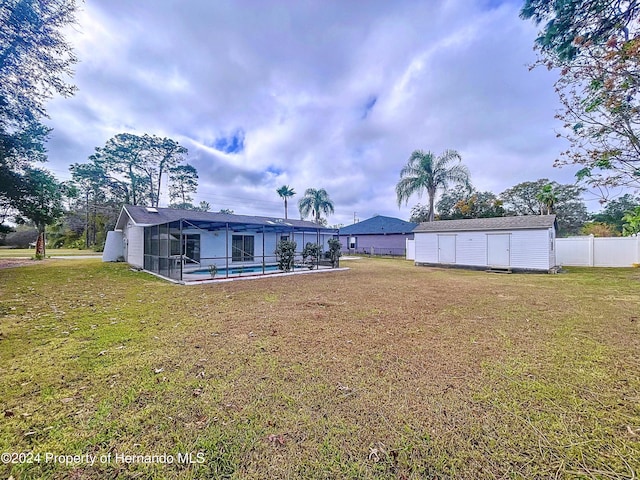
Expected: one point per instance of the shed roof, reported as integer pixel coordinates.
(379, 225)
(145, 216)
(525, 222)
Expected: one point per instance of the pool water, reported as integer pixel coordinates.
(222, 272)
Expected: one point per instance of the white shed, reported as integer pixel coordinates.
(524, 243)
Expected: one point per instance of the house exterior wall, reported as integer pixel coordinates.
(214, 249)
(212, 245)
(133, 237)
(529, 249)
(393, 243)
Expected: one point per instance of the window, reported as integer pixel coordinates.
(242, 248)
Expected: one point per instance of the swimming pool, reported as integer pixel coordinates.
(222, 272)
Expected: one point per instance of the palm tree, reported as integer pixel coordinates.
(425, 171)
(547, 198)
(315, 202)
(285, 192)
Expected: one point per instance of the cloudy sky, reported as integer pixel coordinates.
(313, 93)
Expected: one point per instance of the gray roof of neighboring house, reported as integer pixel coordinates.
(379, 225)
(525, 222)
(145, 216)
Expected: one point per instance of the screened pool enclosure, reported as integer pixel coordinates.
(217, 246)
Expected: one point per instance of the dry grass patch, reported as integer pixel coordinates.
(384, 371)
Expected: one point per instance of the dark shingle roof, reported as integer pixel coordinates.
(526, 222)
(144, 216)
(379, 225)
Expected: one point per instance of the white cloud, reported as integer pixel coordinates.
(330, 95)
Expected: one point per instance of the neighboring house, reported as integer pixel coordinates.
(524, 243)
(378, 235)
(23, 238)
(174, 243)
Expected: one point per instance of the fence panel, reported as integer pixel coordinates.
(574, 251)
(598, 252)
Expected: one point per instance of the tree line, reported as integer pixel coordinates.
(459, 199)
(128, 169)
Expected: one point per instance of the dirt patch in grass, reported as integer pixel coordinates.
(384, 371)
(13, 262)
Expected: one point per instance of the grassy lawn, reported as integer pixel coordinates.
(30, 252)
(383, 371)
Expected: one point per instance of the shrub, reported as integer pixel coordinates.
(285, 253)
(312, 252)
(334, 251)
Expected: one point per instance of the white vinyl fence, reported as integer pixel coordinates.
(411, 249)
(598, 252)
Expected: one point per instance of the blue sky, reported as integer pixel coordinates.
(322, 94)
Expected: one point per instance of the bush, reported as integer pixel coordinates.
(312, 252)
(285, 253)
(334, 251)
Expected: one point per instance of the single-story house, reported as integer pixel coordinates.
(188, 245)
(377, 235)
(525, 243)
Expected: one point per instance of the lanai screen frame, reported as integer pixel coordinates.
(169, 257)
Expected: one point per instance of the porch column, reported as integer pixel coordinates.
(181, 250)
(263, 249)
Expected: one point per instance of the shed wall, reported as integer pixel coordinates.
(529, 249)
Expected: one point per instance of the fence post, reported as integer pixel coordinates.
(637, 248)
(591, 250)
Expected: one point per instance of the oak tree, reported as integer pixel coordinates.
(595, 46)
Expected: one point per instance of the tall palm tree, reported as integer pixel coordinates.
(547, 198)
(315, 202)
(285, 192)
(425, 171)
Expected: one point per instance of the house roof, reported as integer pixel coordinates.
(525, 222)
(145, 216)
(379, 225)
